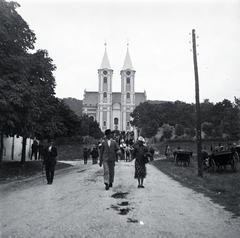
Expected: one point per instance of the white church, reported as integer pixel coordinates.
(112, 109)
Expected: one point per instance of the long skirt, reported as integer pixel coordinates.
(140, 169)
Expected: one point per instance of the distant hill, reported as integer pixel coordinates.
(75, 105)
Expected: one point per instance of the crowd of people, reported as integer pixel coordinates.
(110, 149)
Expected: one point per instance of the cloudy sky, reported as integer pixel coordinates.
(160, 44)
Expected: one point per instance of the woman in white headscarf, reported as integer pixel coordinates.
(140, 153)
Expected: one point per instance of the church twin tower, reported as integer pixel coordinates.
(112, 109)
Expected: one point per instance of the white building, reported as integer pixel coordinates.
(112, 109)
(12, 149)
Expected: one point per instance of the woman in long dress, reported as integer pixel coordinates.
(140, 152)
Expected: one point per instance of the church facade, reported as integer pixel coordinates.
(112, 109)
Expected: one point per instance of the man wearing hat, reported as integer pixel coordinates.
(50, 154)
(108, 153)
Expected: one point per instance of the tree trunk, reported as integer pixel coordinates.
(23, 157)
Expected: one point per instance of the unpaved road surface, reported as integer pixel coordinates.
(77, 205)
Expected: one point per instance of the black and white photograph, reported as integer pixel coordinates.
(119, 118)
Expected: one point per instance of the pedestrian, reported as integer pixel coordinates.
(167, 151)
(141, 154)
(108, 152)
(40, 150)
(34, 149)
(152, 151)
(94, 155)
(127, 153)
(50, 160)
(205, 157)
(122, 147)
(85, 155)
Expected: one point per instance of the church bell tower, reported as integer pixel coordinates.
(127, 91)
(105, 74)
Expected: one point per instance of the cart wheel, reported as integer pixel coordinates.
(176, 160)
(236, 156)
(214, 166)
(234, 164)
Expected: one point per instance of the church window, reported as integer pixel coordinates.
(115, 121)
(105, 95)
(104, 123)
(105, 80)
(128, 95)
(128, 80)
(128, 123)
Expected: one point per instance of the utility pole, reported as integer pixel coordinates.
(198, 113)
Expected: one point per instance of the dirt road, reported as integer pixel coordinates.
(77, 205)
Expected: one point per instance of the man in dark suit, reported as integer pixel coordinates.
(50, 154)
(108, 152)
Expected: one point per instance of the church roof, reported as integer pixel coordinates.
(127, 63)
(140, 97)
(90, 98)
(105, 62)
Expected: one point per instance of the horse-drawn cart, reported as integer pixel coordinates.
(223, 159)
(182, 156)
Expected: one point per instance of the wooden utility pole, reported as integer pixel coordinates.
(198, 113)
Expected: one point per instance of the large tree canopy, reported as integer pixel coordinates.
(28, 107)
(218, 119)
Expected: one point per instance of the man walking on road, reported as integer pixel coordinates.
(50, 154)
(108, 153)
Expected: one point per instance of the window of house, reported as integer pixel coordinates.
(105, 95)
(104, 123)
(128, 123)
(128, 80)
(105, 80)
(128, 95)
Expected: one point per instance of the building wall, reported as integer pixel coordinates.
(12, 149)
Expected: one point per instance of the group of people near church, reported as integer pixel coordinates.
(108, 152)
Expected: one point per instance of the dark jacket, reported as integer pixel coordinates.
(109, 153)
(50, 156)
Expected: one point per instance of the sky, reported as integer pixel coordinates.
(158, 34)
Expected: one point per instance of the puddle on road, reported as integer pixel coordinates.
(132, 220)
(123, 204)
(122, 211)
(119, 195)
(80, 171)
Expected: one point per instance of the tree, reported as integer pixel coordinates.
(15, 39)
(150, 129)
(179, 130)
(207, 128)
(167, 131)
(145, 118)
(207, 111)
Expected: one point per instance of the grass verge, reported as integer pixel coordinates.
(222, 187)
